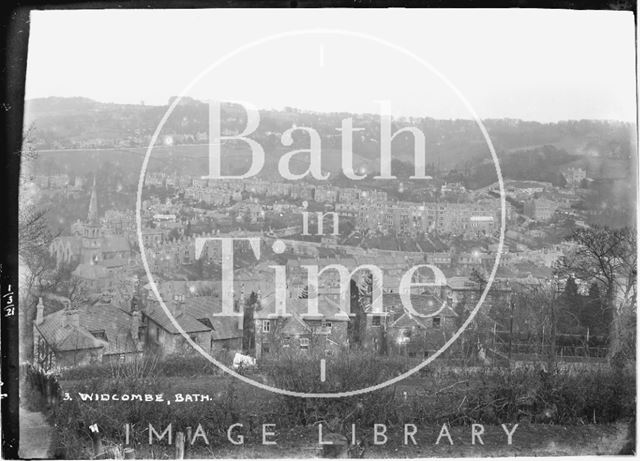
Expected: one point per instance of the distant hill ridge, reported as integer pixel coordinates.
(78, 122)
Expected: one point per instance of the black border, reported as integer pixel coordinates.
(15, 31)
(14, 27)
(626, 5)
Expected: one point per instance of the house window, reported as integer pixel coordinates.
(436, 322)
(266, 326)
(304, 343)
(141, 331)
(376, 321)
(100, 334)
(265, 349)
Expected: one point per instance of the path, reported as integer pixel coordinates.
(35, 435)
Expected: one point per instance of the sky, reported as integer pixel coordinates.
(543, 65)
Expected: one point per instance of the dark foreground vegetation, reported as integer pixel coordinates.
(437, 395)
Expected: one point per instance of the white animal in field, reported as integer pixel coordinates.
(240, 360)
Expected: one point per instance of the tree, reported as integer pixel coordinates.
(594, 294)
(34, 237)
(174, 234)
(571, 288)
(198, 266)
(595, 314)
(572, 308)
(478, 277)
(357, 326)
(608, 257)
(248, 325)
(383, 346)
(537, 308)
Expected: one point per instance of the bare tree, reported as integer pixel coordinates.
(34, 238)
(608, 256)
(538, 311)
(34, 233)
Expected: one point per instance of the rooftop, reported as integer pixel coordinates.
(115, 322)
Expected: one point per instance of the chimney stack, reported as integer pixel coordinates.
(72, 317)
(39, 312)
(135, 325)
(178, 301)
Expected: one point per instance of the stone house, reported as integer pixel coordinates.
(422, 334)
(279, 327)
(197, 317)
(467, 291)
(86, 333)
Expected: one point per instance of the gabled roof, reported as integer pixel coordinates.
(114, 321)
(75, 339)
(425, 305)
(329, 309)
(225, 328)
(461, 283)
(167, 288)
(294, 325)
(407, 320)
(188, 323)
(198, 316)
(204, 307)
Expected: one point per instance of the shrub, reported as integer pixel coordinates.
(181, 365)
(459, 396)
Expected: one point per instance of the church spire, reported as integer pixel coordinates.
(93, 204)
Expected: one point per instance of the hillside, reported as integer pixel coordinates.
(84, 124)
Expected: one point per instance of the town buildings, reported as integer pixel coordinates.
(289, 325)
(106, 255)
(540, 209)
(90, 243)
(574, 176)
(476, 218)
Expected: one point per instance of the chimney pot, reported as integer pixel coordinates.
(72, 317)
